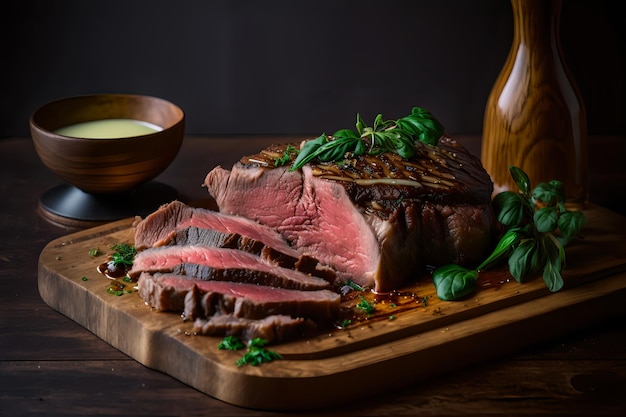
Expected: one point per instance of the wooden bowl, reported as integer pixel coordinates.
(100, 166)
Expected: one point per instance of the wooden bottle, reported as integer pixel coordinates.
(535, 118)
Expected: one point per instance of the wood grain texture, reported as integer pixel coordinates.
(535, 118)
(52, 366)
(419, 344)
(107, 165)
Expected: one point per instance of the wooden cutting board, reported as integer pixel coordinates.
(405, 342)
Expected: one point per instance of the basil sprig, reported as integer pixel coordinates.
(454, 281)
(397, 136)
(537, 228)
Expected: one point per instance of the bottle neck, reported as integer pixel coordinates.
(537, 27)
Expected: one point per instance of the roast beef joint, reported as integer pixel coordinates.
(377, 220)
(271, 260)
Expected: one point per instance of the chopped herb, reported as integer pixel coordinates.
(116, 288)
(392, 305)
(84, 278)
(115, 292)
(95, 252)
(127, 279)
(365, 305)
(124, 254)
(289, 151)
(257, 354)
(345, 323)
(354, 285)
(425, 301)
(231, 343)
(392, 317)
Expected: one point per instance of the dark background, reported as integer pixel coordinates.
(293, 67)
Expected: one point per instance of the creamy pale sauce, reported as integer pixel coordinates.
(109, 129)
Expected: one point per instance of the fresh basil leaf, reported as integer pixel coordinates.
(393, 141)
(521, 180)
(454, 282)
(405, 150)
(505, 245)
(309, 151)
(511, 208)
(570, 223)
(546, 219)
(345, 134)
(550, 193)
(335, 150)
(552, 276)
(521, 260)
(409, 127)
(360, 148)
(555, 261)
(423, 125)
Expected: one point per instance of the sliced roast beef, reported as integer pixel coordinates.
(376, 219)
(272, 328)
(210, 237)
(157, 229)
(221, 264)
(204, 299)
(176, 223)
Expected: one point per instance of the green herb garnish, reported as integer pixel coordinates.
(354, 285)
(366, 306)
(95, 252)
(84, 278)
(397, 136)
(231, 343)
(544, 230)
(257, 354)
(345, 323)
(453, 281)
(290, 150)
(537, 228)
(124, 254)
(115, 292)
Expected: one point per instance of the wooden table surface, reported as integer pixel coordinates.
(50, 365)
